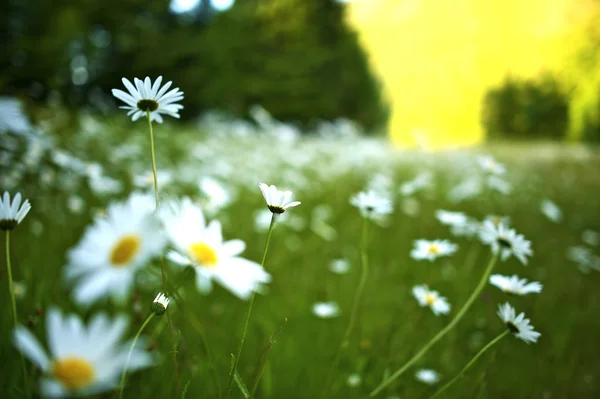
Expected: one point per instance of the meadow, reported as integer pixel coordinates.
(71, 175)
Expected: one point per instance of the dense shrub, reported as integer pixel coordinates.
(526, 109)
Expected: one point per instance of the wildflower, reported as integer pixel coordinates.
(518, 325)
(452, 219)
(428, 376)
(215, 195)
(551, 211)
(420, 182)
(490, 165)
(591, 237)
(372, 205)
(277, 201)
(339, 266)
(12, 214)
(426, 297)
(515, 285)
(160, 303)
(505, 241)
(468, 188)
(147, 97)
(203, 247)
(83, 360)
(146, 179)
(326, 310)
(354, 380)
(432, 250)
(499, 184)
(113, 249)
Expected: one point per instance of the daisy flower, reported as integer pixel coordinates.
(277, 201)
(326, 310)
(12, 214)
(83, 360)
(372, 205)
(551, 211)
(113, 249)
(160, 303)
(518, 325)
(490, 165)
(202, 246)
(426, 297)
(428, 376)
(449, 218)
(145, 96)
(505, 241)
(431, 250)
(339, 266)
(515, 285)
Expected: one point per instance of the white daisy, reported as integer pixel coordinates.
(202, 246)
(518, 325)
(449, 218)
(11, 214)
(490, 165)
(215, 195)
(497, 183)
(145, 96)
(591, 237)
(113, 249)
(326, 310)
(515, 285)
(354, 380)
(277, 201)
(83, 360)
(339, 266)
(426, 297)
(428, 376)
(505, 241)
(372, 205)
(551, 211)
(431, 250)
(160, 303)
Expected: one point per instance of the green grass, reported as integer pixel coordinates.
(391, 327)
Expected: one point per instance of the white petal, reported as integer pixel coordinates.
(30, 347)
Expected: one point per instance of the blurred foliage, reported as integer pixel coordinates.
(298, 59)
(526, 109)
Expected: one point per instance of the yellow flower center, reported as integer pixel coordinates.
(204, 254)
(430, 299)
(73, 372)
(125, 250)
(434, 249)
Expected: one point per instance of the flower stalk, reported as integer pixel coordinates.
(444, 331)
(135, 339)
(468, 365)
(246, 322)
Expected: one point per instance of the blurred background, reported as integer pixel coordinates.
(428, 73)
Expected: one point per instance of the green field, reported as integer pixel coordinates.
(323, 173)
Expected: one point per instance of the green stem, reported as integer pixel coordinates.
(444, 331)
(243, 338)
(14, 305)
(135, 339)
(162, 260)
(355, 305)
(153, 158)
(477, 356)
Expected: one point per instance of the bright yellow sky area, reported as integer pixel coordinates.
(437, 58)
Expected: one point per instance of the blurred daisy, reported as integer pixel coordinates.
(145, 96)
(428, 376)
(11, 214)
(113, 249)
(591, 237)
(203, 247)
(515, 285)
(326, 310)
(146, 179)
(12, 116)
(425, 297)
(551, 211)
(354, 380)
(277, 201)
(83, 360)
(339, 266)
(372, 205)
(468, 188)
(431, 250)
(490, 165)
(420, 182)
(505, 241)
(518, 325)
(215, 195)
(499, 184)
(449, 218)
